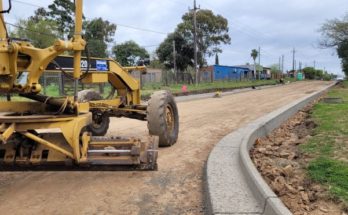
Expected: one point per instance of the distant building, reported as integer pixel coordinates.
(264, 74)
(219, 73)
(151, 76)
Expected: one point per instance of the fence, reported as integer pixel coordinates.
(57, 84)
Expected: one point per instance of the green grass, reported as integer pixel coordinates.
(328, 146)
(221, 85)
(148, 89)
(333, 173)
(52, 90)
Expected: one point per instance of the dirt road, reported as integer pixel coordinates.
(176, 188)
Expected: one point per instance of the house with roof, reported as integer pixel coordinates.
(220, 73)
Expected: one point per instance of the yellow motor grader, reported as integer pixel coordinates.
(70, 130)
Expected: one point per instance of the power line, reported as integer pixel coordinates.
(243, 25)
(118, 24)
(27, 3)
(141, 29)
(37, 32)
(293, 59)
(150, 46)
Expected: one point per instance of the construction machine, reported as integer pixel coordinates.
(70, 130)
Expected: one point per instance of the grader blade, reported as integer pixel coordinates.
(104, 153)
(123, 151)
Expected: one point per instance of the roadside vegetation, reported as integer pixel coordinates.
(327, 148)
(205, 87)
(148, 89)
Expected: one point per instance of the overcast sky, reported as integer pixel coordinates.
(275, 25)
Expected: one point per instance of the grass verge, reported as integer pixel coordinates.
(205, 87)
(327, 148)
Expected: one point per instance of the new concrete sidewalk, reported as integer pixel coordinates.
(233, 184)
(210, 95)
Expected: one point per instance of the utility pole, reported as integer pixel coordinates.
(174, 60)
(282, 64)
(195, 8)
(314, 64)
(293, 60)
(259, 54)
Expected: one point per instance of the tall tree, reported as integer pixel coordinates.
(129, 52)
(310, 73)
(40, 32)
(183, 48)
(254, 54)
(39, 14)
(98, 34)
(342, 51)
(217, 59)
(62, 11)
(212, 31)
(335, 35)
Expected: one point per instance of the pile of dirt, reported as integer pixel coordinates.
(280, 161)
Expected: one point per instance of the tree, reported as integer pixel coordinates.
(183, 48)
(274, 68)
(62, 11)
(254, 54)
(39, 14)
(129, 52)
(212, 31)
(99, 32)
(217, 59)
(335, 35)
(40, 32)
(342, 51)
(315, 74)
(310, 73)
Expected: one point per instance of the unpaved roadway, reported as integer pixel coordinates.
(176, 188)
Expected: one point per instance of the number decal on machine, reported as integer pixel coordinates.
(84, 63)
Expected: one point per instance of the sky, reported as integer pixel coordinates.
(276, 26)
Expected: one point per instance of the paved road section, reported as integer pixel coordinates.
(176, 188)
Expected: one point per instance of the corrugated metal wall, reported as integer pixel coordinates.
(229, 73)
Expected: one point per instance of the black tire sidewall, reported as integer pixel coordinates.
(91, 95)
(157, 119)
(103, 128)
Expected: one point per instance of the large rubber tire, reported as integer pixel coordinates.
(101, 120)
(163, 118)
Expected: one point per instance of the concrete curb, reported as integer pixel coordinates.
(233, 185)
(231, 92)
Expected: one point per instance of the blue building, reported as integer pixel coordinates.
(219, 73)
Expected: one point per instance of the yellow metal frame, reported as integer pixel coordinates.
(11, 65)
(17, 57)
(69, 126)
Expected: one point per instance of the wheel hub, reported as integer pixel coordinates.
(169, 118)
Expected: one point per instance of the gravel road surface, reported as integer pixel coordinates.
(176, 188)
